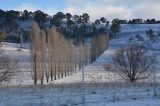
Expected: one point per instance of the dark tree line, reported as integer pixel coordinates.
(10, 17)
(140, 21)
(77, 27)
(73, 26)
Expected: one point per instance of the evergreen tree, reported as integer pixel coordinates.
(103, 20)
(25, 15)
(2, 14)
(40, 17)
(85, 17)
(115, 27)
(11, 18)
(97, 22)
(76, 17)
(68, 16)
(58, 18)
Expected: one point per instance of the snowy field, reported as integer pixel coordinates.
(73, 95)
(94, 72)
(102, 88)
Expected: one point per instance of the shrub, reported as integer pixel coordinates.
(139, 38)
(8, 67)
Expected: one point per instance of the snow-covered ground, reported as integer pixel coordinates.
(73, 95)
(94, 72)
(116, 94)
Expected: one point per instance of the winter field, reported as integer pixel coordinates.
(101, 88)
(72, 95)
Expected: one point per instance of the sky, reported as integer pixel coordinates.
(110, 9)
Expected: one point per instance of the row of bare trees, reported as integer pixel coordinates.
(62, 55)
(55, 57)
(98, 45)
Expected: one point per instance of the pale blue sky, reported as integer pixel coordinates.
(40, 4)
(124, 9)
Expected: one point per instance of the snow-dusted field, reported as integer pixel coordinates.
(73, 95)
(94, 72)
(96, 94)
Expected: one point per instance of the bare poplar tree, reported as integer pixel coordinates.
(81, 55)
(86, 55)
(52, 40)
(71, 56)
(21, 39)
(42, 51)
(102, 43)
(93, 49)
(34, 35)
